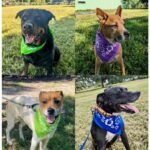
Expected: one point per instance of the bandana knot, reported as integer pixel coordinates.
(104, 49)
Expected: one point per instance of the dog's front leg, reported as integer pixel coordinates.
(101, 147)
(97, 65)
(43, 144)
(121, 62)
(34, 143)
(122, 67)
(125, 140)
(25, 69)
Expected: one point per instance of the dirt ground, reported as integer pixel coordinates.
(12, 89)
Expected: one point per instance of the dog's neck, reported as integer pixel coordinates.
(106, 37)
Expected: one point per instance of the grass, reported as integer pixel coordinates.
(63, 36)
(135, 51)
(136, 124)
(64, 138)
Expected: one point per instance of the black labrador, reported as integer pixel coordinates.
(36, 34)
(113, 100)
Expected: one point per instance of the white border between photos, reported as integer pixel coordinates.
(148, 74)
(1, 73)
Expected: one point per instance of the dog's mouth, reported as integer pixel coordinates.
(128, 108)
(29, 39)
(50, 119)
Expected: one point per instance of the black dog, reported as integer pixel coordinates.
(37, 36)
(113, 100)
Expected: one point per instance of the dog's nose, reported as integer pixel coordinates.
(51, 111)
(126, 34)
(27, 26)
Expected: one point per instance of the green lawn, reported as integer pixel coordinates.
(63, 35)
(135, 51)
(136, 124)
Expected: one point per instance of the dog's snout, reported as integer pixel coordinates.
(126, 34)
(138, 93)
(51, 111)
(27, 26)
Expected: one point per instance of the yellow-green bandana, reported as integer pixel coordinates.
(27, 49)
(42, 128)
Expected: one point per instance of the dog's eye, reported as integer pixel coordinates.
(120, 90)
(38, 35)
(57, 101)
(24, 18)
(114, 26)
(44, 102)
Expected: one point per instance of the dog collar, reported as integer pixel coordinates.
(42, 128)
(104, 49)
(113, 124)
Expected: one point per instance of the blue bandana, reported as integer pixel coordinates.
(113, 124)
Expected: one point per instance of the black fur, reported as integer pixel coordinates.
(39, 19)
(110, 101)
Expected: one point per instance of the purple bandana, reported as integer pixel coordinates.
(104, 49)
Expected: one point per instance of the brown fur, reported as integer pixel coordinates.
(111, 27)
(47, 99)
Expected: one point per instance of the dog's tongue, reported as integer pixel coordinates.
(129, 107)
(50, 119)
(29, 39)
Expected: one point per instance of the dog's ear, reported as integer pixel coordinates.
(119, 11)
(100, 98)
(107, 89)
(61, 93)
(41, 93)
(48, 15)
(101, 15)
(20, 13)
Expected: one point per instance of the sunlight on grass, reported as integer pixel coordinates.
(10, 25)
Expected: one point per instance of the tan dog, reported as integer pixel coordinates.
(50, 106)
(113, 31)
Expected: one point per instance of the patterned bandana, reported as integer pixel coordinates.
(104, 49)
(42, 128)
(113, 124)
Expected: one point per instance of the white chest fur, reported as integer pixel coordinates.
(109, 136)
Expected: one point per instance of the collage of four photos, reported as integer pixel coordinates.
(74, 74)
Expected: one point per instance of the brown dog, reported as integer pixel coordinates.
(107, 46)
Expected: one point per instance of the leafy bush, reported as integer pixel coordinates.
(135, 4)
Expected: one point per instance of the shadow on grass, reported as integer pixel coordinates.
(135, 51)
(64, 138)
(64, 39)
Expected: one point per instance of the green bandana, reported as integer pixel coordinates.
(42, 128)
(27, 49)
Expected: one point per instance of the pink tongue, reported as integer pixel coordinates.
(129, 107)
(50, 119)
(29, 39)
